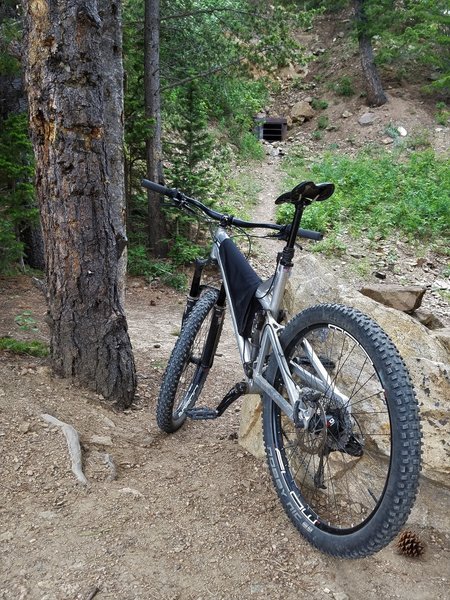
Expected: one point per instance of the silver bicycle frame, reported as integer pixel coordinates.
(270, 295)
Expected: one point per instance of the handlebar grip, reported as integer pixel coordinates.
(310, 235)
(161, 189)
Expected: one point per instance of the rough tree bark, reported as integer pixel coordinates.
(374, 87)
(152, 88)
(74, 78)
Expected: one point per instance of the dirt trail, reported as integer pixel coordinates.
(190, 516)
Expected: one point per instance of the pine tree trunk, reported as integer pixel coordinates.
(374, 87)
(156, 222)
(74, 78)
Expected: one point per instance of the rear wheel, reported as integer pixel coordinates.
(349, 480)
(185, 374)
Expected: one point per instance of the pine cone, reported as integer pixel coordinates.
(409, 543)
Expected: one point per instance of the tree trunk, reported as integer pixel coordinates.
(156, 222)
(74, 79)
(374, 87)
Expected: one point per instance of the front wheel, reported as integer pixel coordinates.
(186, 372)
(347, 481)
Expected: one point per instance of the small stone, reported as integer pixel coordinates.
(346, 114)
(131, 492)
(47, 514)
(340, 596)
(387, 140)
(367, 119)
(380, 275)
(24, 427)
(156, 345)
(402, 131)
(101, 440)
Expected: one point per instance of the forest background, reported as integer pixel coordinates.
(217, 66)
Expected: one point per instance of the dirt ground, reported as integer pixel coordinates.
(189, 516)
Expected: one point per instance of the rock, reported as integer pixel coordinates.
(428, 319)
(302, 110)
(250, 427)
(24, 427)
(402, 131)
(346, 114)
(404, 298)
(101, 440)
(427, 359)
(287, 72)
(380, 275)
(340, 596)
(443, 336)
(367, 119)
(131, 492)
(387, 140)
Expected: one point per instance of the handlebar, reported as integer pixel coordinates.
(283, 230)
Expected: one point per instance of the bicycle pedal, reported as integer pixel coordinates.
(200, 414)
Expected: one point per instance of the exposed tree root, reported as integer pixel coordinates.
(73, 442)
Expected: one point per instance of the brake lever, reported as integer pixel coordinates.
(179, 204)
(282, 234)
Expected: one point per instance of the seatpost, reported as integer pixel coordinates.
(288, 251)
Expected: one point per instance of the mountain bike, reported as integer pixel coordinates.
(340, 418)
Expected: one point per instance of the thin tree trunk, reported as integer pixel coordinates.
(374, 87)
(156, 222)
(74, 80)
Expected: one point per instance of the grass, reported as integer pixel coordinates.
(33, 348)
(379, 193)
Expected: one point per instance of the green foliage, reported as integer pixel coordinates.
(443, 113)
(17, 209)
(32, 348)
(184, 251)
(319, 104)
(188, 155)
(139, 264)
(251, 148)
(26, 321)
(330, 246)
(322, 122)
(10, 32)
(380, 193)
(344, 86)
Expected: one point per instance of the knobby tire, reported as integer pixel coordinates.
(348, 482)
(183, 366)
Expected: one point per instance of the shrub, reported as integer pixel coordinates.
(381, 193)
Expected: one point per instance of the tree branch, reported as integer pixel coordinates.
(208, 11)
(201, 75)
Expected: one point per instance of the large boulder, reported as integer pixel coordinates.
(302, 111)
(425, 355)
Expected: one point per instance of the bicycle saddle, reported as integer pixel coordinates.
(306, 192)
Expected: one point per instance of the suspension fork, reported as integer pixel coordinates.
(207, 359)
(196, 288)
(212, 341)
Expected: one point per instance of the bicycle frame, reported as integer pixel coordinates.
(270, 295)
